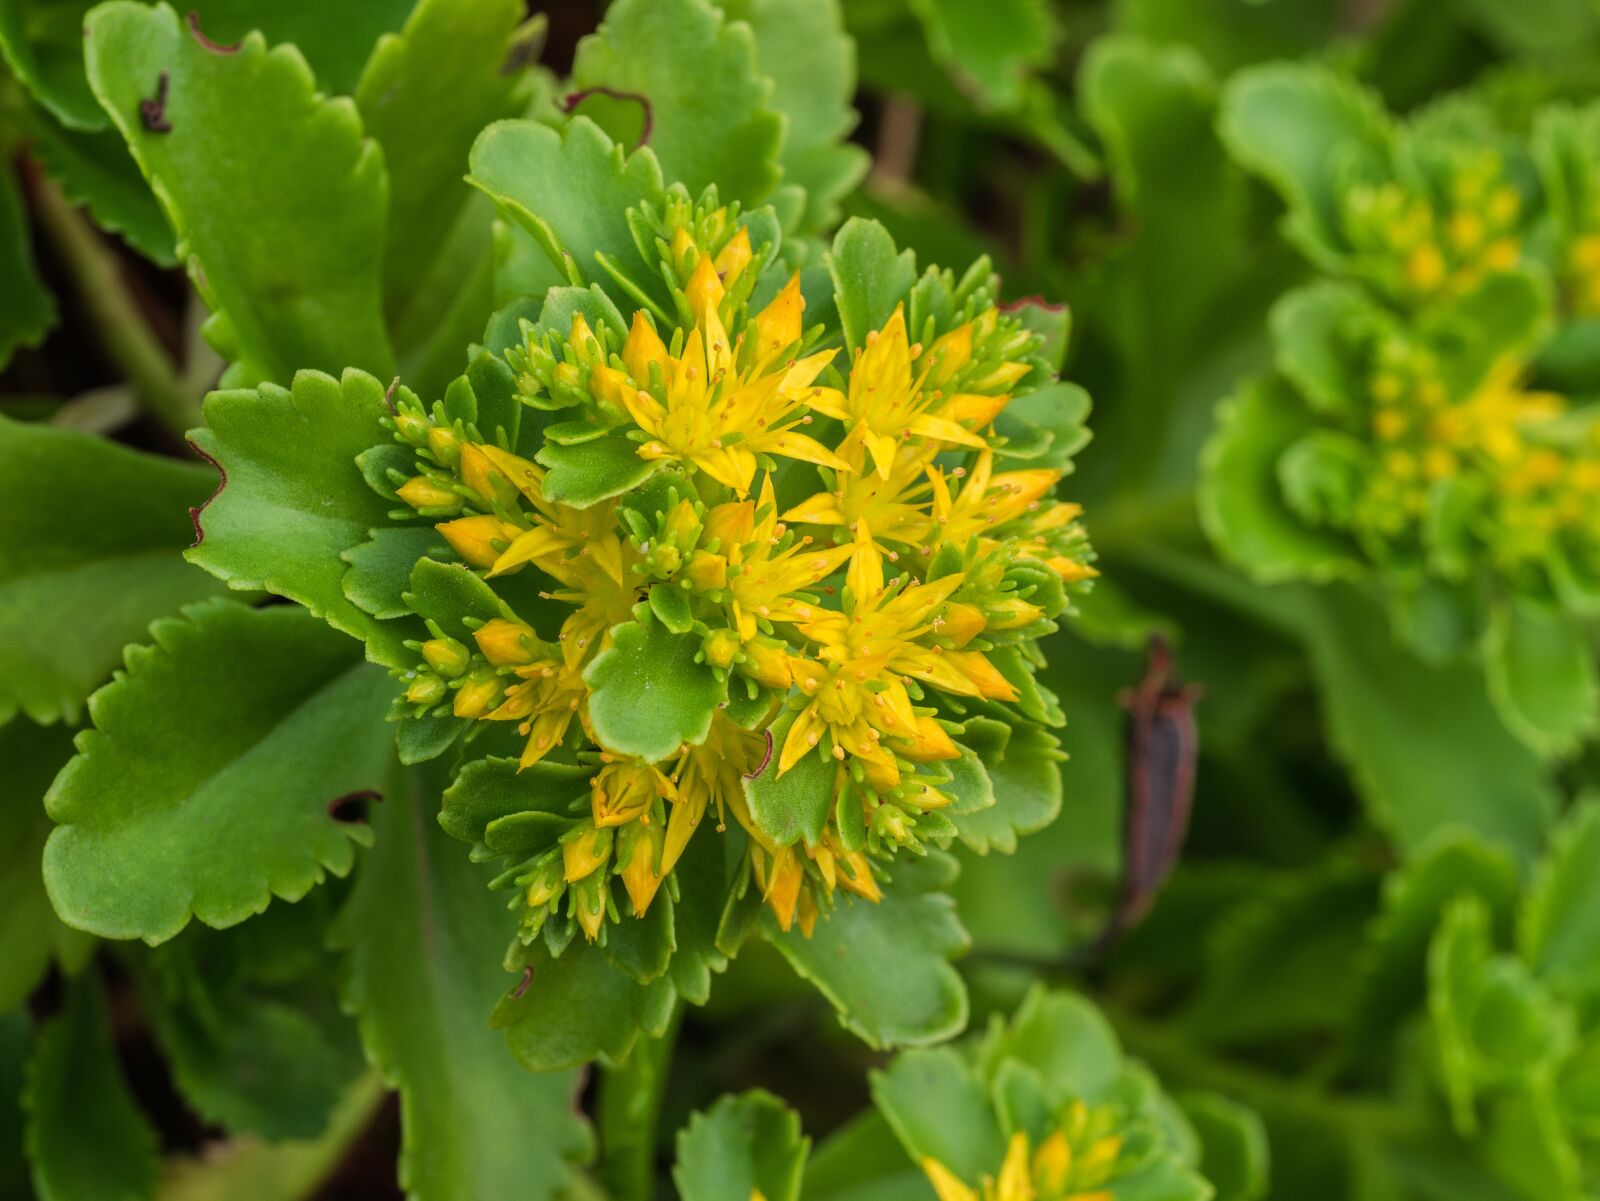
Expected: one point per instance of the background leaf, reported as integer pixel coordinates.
(205, 787)
(424, 936)
(279, 200)
(743, 1146)
(90, 535)
(26, 309)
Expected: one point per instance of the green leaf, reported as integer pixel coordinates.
(95, 168)
(15, 1031)
(30, 933)
(1558, 932)
(77, 1099)
(1303, 127)
(1064, 1039)
(276, 197)
(884, 967)
(742, 1146)
(1390, 977)
(862, 1161)
(707, 103)
(647, 695)
(425, 938)
(205, 787)
(487, 790)
(42, 43)
(990, 46)
(26, 309)
(579, 1007)
(1279, 965)
(1310, 337)
(869, 278)
(424, 95)
(801, 46)
(337, 40)
(570, 190)
(589, 472)
(1022, 766)
(1241, 499)
(1540, 665)
(89, 558)
(292, 499)
(798, 803)
(380, 568)
(1234, 1152)
(939, 1107)
(1426, 747)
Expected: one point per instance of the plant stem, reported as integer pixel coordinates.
(629, 1106)
(1173, 1055)
(124, 331)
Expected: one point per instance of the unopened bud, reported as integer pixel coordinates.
(444, 445)
(720, 647)
(446, 656)
(505, 643)
(426, 689)
(423, 492)
(479, 693)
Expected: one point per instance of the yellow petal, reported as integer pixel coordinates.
(946, 1184)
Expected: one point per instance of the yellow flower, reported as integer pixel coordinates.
(718, 406)
(1076, 1161)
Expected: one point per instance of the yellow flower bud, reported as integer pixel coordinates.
(733, 258)
(609, 386)
(547, 882)
(624, 792)
(766, 662)
(778, 325)
(475, 538)
(704, 289)
(720, 647)
(639, 854)
(444, 445)
(422, 492)
(426, 689)
(480, 693)
(643, 347)
(585, 853)
(707, 572)
(960, 622)
(446, 656)
(506, 643)
(412, 426)
(589, 897)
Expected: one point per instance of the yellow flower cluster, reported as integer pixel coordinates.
(840, 533)
(1076, 1161)
(1429, 243)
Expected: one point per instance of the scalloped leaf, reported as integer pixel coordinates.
(204, 790)
(587, 473)
(95, 168)
(425, 94)
(42, 42)
(705, 110)
(578, 1007)
(569, 190)
(1310, 331)
(884, 967)
(1300, 126)
(1241, 500)
(938, 1106)
(870, 277)
(292, 498)
(90, 547)
(1022, 766)
(424, 936)
(30, 933)
(802, 47)
(27, 310)
(1235, 1155)
(743, 1146)
(1558, 930)
(990, 47)
(77, 1097)
(647, 695)
(277, 198)
(1541, 672)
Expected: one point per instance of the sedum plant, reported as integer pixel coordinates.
(548, 649)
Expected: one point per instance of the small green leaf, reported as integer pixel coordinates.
(708, 118)
(1241, 499)
(1305, 127)
(42, 43)
(1234, 1152)
(26, 309)
(647, 694)
(938, 1106)
(1541, 674)
(798, 803)
(1558, 931)
(801, 46)
(1311, 330)
(380, 568)
(451, 594)
(77, 1098)
(990, 46)
(869, 278)
(1064, 1039)
(292, 499)
(275, 194)
(486, 791)
(587, 473)
(741, 1147)
(884, 967)
(425, 937)
(30, 933)
(424, 95)
(205, 787)
(89, 558)
(1022, 771)
(579, 1007)
(672, 608)
(571, 191)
